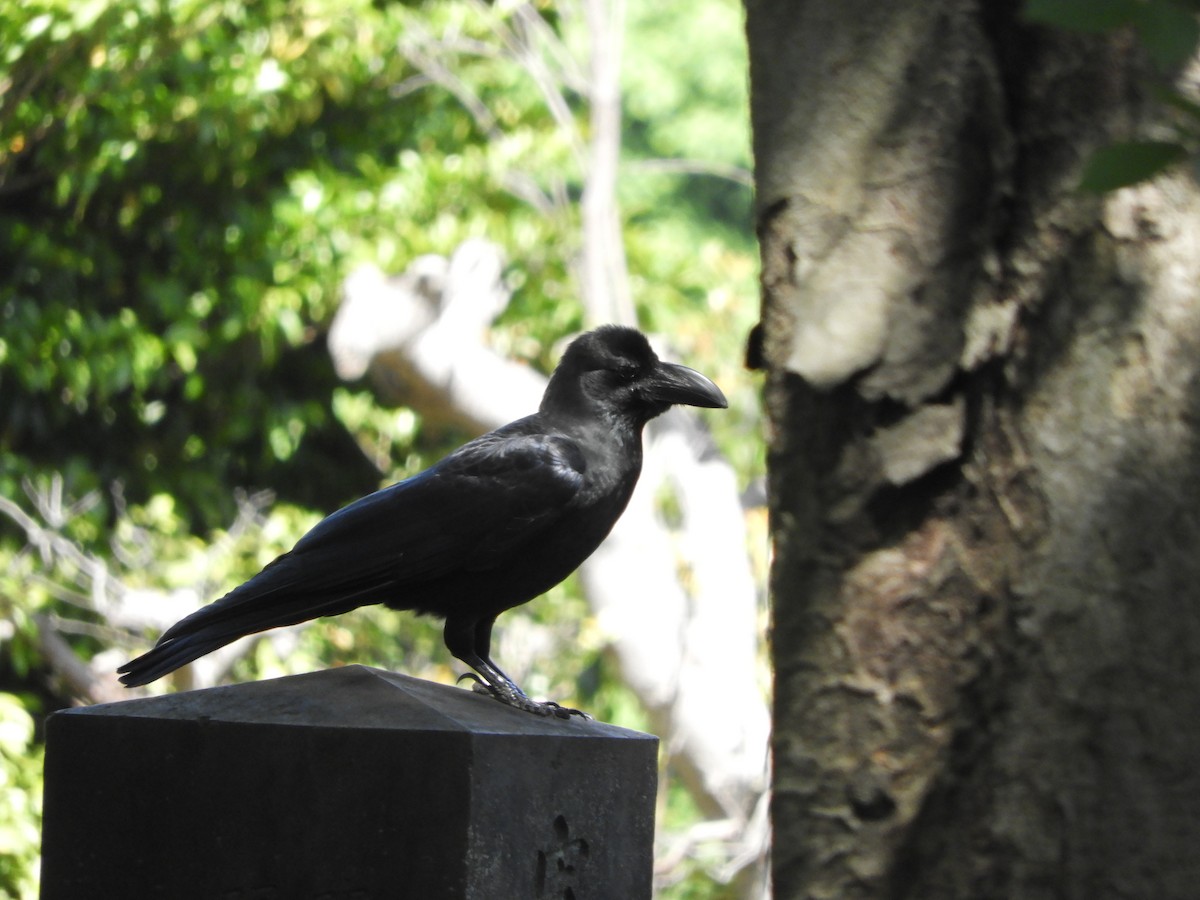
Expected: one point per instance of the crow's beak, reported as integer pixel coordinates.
(679, 384)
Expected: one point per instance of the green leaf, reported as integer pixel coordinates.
(1083, 15)
(1168, 32)
(1168, 29)
(1122, 164)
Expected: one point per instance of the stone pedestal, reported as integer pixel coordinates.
(350, 783)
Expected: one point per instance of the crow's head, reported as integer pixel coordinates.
(613, 371)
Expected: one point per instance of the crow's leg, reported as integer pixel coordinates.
(470, 640)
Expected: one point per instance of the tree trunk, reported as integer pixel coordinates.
(984, 481)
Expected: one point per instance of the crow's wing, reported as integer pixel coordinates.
(471, 512)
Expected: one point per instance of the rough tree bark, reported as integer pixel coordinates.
(983, 461)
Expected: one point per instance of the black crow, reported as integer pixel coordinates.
(491, 526)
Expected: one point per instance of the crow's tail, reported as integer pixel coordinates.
(257, 605)
(168, 656)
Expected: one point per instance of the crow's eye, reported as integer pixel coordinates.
(627, 375)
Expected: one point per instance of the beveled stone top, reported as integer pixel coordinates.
(356, 697)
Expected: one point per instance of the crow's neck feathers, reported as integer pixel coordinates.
(597, 382)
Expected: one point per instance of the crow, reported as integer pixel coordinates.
(493, 525)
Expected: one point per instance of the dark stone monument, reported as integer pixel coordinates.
(350, 783)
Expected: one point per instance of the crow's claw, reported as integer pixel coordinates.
(565, 712)
(518, 700)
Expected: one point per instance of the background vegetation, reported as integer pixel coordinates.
(183, 186)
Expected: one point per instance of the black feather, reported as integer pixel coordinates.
(493, 525)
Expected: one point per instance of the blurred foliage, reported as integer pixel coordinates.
(20, 798)
(184, 185)
(1168, 32)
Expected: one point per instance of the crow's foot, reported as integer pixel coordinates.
(516, 698)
